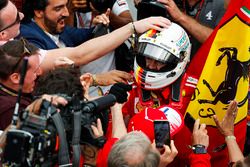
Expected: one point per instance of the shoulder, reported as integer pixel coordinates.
(120, 6)
(215, 4)
(30, 30)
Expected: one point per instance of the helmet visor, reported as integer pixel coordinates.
(154, 52)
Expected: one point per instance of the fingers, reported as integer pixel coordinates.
(112, 77)
(173, 148)
(97, 130)
(196, 125)
(103, 18)
(203, 127)
(108, 12)
(55, 100)
(169, 154)
(216, 120)
(157, 23)
(122, 76)
(99, 126)
(232, 109)
(59, 100)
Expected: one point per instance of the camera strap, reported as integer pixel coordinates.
(63, 155)
(76, 138)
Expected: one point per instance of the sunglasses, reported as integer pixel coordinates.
(18, 20)
(26, 53)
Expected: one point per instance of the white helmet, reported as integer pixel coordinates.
(170, 46)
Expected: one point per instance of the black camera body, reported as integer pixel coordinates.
(148, 8)
(33, 143)
(90, 112)
(36, 142)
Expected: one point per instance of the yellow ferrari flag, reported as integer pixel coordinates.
(225, 74)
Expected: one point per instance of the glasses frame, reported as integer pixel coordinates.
(26, 53)
(18, 20)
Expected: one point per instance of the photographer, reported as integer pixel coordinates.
(67, 82)
(11, 57)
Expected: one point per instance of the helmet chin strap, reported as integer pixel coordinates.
(176, 89)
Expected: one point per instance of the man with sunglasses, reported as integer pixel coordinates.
(9, 22)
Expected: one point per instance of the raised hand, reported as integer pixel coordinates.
(157, 23)
(226, 126)
(199, 136)
(112, 77)
(102, 18)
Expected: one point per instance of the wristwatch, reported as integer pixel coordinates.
(199, 149)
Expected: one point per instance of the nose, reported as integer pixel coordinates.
(21, 15)
(65, 12)
(152, 64)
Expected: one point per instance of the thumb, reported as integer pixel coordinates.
(108, 12)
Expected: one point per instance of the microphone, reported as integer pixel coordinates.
(117, 93)
(23, 73)
(100, 103)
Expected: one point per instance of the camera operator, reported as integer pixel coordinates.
(11, 58)
(67, 82)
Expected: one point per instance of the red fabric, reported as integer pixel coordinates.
(199, 160)
(102, 157)
(182, 139)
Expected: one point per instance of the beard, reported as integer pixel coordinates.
(52, 25)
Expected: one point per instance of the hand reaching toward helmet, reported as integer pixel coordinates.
(157, 23)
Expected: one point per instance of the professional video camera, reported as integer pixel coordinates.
(148, 8)
(36, 142)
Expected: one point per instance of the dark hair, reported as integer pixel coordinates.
(3, 4)
(30, 6)
(102, 5)
(10, 54)
(63, 81)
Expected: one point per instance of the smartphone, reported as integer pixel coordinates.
(189, 122)
(162, 133)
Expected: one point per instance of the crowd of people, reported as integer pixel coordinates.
(71, 48)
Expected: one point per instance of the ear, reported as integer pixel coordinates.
(15, 78)
(38, 13)
(3, 35)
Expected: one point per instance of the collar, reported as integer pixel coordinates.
(12, 92)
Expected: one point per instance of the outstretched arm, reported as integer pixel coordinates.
(226, 128)
(197, 30)
(98, 47)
